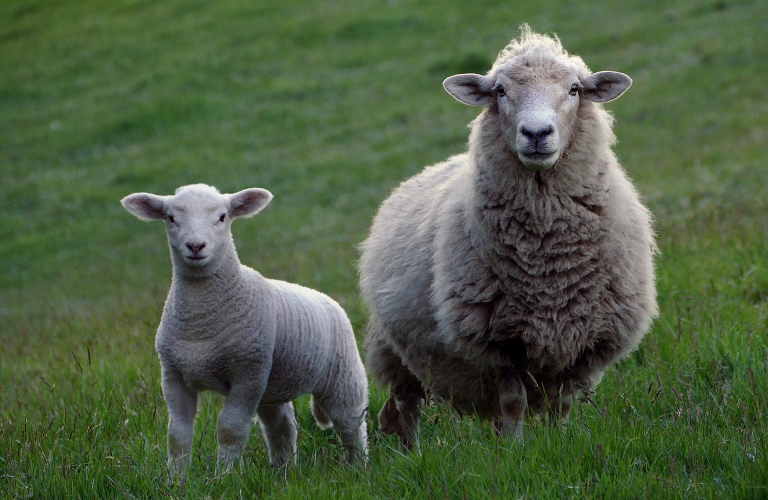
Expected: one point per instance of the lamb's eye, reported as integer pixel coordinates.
(574, 89)
(501, 91)
(221, 219)
(170, 219)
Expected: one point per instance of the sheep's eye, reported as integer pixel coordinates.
(501, 91)
(574, 89)
(221, 219)
(170, 219)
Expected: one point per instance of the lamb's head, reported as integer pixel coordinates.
(198, 221)
(534, 91)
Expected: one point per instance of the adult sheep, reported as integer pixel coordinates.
(259, 342)
(513, 275)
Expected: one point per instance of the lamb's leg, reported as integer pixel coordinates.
(279, 425)
(354, 436)
(182, 406)
(347, 419)
(513, 400)
(234, 423)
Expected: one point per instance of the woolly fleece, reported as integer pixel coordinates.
(497, 286)
(259, 342)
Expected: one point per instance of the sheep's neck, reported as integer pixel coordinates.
(543, 236)
(537, 219)
(199, 301)
(499, 177)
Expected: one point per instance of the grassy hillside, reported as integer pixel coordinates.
(330, 105)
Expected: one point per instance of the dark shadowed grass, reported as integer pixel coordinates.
(330, 105)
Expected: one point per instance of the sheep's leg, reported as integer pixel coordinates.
(513, 400)
(401, 413)
(390, 419)
(182, 406)
(234, 424)
(560, 406)
(280, 428)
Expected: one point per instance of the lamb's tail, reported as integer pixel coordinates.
(322, 419)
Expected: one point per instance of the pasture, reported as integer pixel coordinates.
(330, 105)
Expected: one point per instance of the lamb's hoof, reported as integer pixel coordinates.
(177, 479)
(391, 420)
(227, 461)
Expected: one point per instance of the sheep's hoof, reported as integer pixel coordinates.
(498, 426)
(407, 443)
(391, 420)
(513, 430)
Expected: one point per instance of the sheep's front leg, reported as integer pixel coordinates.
(513, 399)
(182, 406)
(234, 424)
(401, 413)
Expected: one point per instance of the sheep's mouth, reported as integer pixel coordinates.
(539, 161)
(196, 260)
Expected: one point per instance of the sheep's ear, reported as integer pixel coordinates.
(145, 206)
(605, 86)
(249, 202)
(472, 89)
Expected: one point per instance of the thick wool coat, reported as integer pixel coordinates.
(479, 264)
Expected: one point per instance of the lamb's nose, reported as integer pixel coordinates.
(537, 135)
(195, 248)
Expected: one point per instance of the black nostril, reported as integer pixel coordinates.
(526, 133)
(537, 135)
(195, 248)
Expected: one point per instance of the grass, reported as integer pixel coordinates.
(330, 105)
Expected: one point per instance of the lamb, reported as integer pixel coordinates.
(512, 276)
(259, 342)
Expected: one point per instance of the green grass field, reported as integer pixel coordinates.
(330, 105)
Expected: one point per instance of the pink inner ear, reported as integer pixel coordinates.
(145, 206)
(249, 202)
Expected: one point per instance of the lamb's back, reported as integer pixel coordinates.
(311, 331)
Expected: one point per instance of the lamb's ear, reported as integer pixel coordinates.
(249, 202)
(470, 88)
(145, 206)
(605, 86)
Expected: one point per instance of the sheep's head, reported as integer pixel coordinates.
(535, 89)
(198, 221)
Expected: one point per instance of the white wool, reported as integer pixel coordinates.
(260, 342)
(496, 280)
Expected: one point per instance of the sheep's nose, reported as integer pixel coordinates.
(195, 248)
(537, 135)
